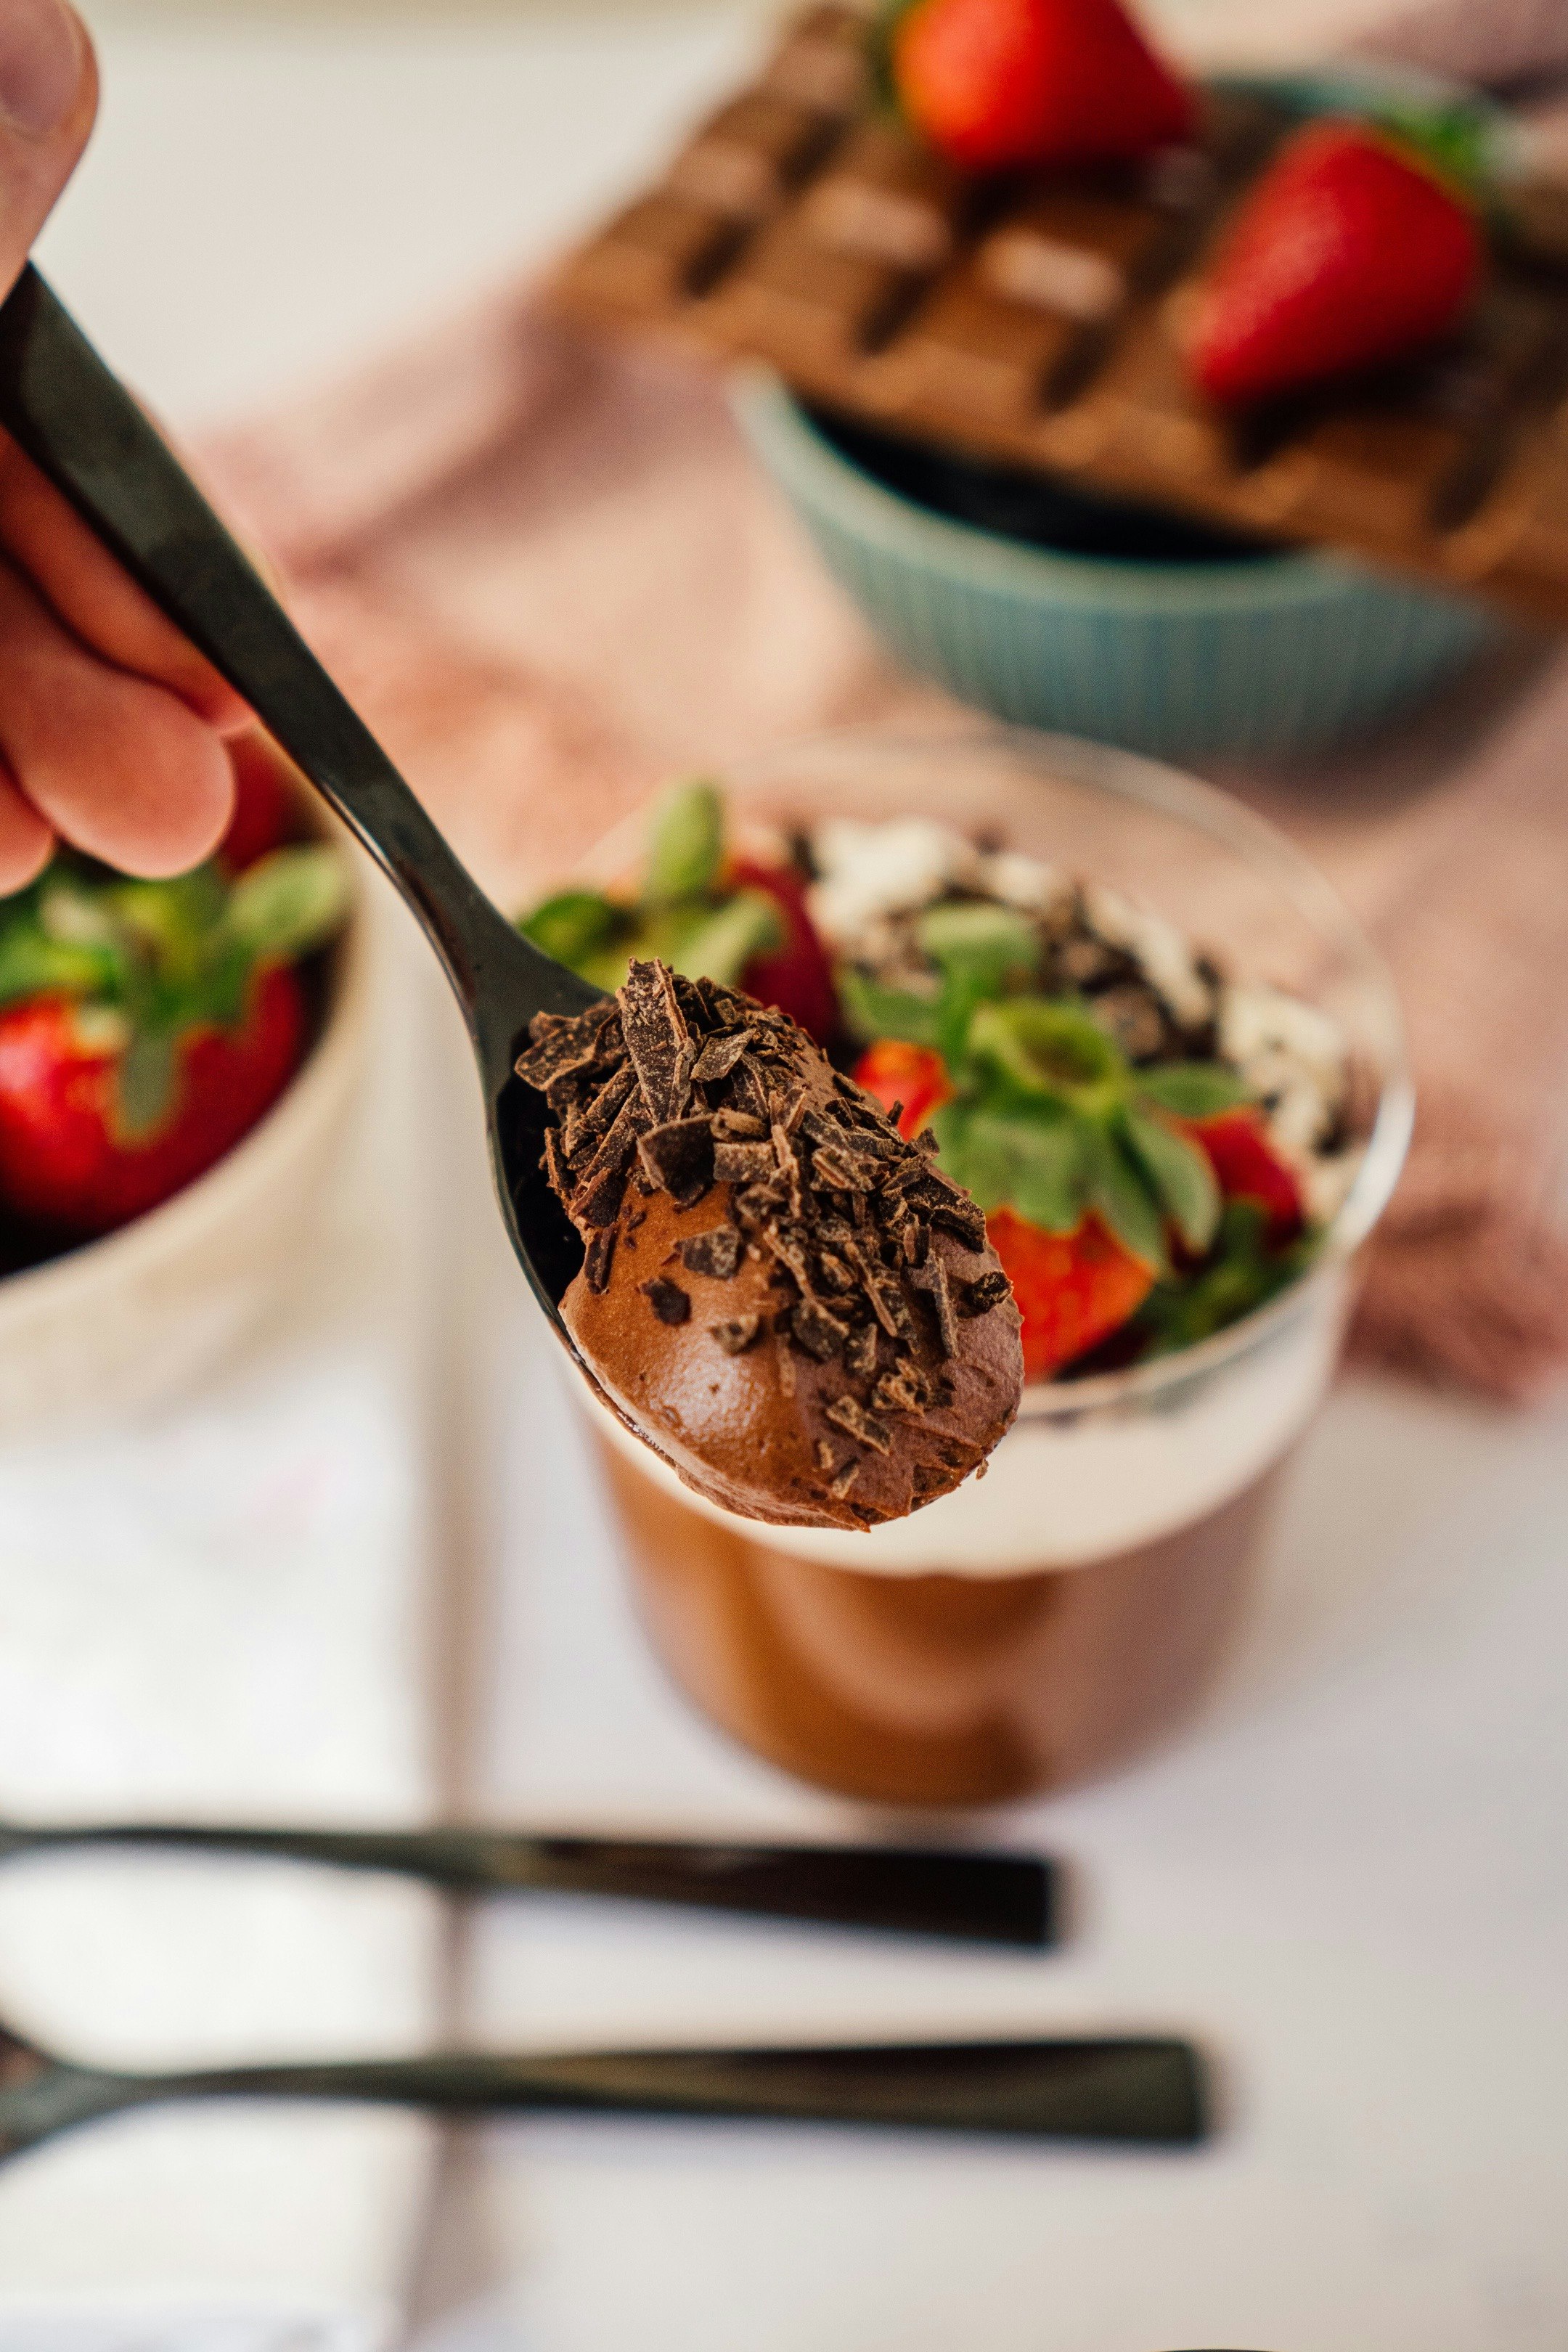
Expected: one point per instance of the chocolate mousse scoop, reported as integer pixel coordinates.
(781, 1296)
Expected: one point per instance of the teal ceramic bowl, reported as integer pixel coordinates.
(1265, 656)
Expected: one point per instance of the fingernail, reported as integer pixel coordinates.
(40, 64)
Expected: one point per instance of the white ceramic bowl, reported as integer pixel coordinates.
(123, 1324)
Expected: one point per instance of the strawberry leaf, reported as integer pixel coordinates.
(1182, 1176)
(287, 903)
(1036, 1164)
(1118, 1191)
(573, 926)
(1190, 1090)
(1051, 1051)
(873, 1010)
(686, 847)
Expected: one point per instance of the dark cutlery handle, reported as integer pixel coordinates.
(82, 429)
(983, 1898)
(1142, 2091)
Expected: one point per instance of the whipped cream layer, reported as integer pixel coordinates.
(1065, 1492)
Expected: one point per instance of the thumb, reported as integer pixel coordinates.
(48, 95)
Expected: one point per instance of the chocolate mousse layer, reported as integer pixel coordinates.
(781, 1295)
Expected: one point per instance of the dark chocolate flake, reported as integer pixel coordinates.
(668, 1301)
(654, 1030)
(987, 1291)
(716, 1254)
(903, 1390)
(559, 1041)
(840, 1486)
(840, 1170)
(599, 1260)
(719, 1055)
(860, 1351)
(737, 1126)
(599, 1194)
(820, 1334)
(680, 1157)
(736, 1336)
(744, 1163)
(933, 1279)
(848, 1413)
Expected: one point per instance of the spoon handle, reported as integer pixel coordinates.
(1134, 2090)
(82, 429)
(981, 1898)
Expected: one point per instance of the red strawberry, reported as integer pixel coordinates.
(64, 1161)
(798, 977)
(911, 1075)
(1348, 253)
(264, 804)
(1073, 1289)
(1247, 1168)
(999, 84)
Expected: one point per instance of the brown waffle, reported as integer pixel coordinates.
(1037, 323)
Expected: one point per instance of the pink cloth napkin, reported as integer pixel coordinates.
(550, 576)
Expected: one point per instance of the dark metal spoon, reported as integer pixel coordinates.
(82, 429)
(1136, 2091)
(980, 1899)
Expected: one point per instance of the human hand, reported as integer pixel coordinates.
(112, 727)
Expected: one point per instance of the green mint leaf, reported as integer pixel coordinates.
(288, 902)
(1050, 1049)
(1190, 1090)
(722, 944)
(1035, 1165)
(1181, 1174)
(574, 926)
(146, 1087)
(686, 845)
(981, 940)
(1242, 1273)
(32, 963)
(873, 1012)
(1119, 1190)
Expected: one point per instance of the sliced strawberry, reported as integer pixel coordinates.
(913, 1075)
(1073, 1289)
(1247, 1168)
(64, 1161)
(264, 803)
(999, 84)
(798, 977)
(1349, 253)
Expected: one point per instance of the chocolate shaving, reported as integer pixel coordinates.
(654, 1030)
(839, 1487)
(737, 1127)
(987, 1291)
(744, 1163)
(848, 1413)
(602, 1187)
(679, 1158)
(842, 1170)
(903, 1390)
(719, 1055)
(820, 1334)
(561, 1041)
(860, 1351)
(599, 1260)
(716, 1254)
(933, 1280)
(669, 1302)
(736, 1336)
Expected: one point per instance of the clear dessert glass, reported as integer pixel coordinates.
(1049, 1620)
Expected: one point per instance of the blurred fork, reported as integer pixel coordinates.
(1134, 2090)
(967, 1897)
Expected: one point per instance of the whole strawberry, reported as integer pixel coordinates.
(147, 1027)
(1350, 252)
(998, 84)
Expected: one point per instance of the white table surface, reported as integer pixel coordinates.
(1349, 1879)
